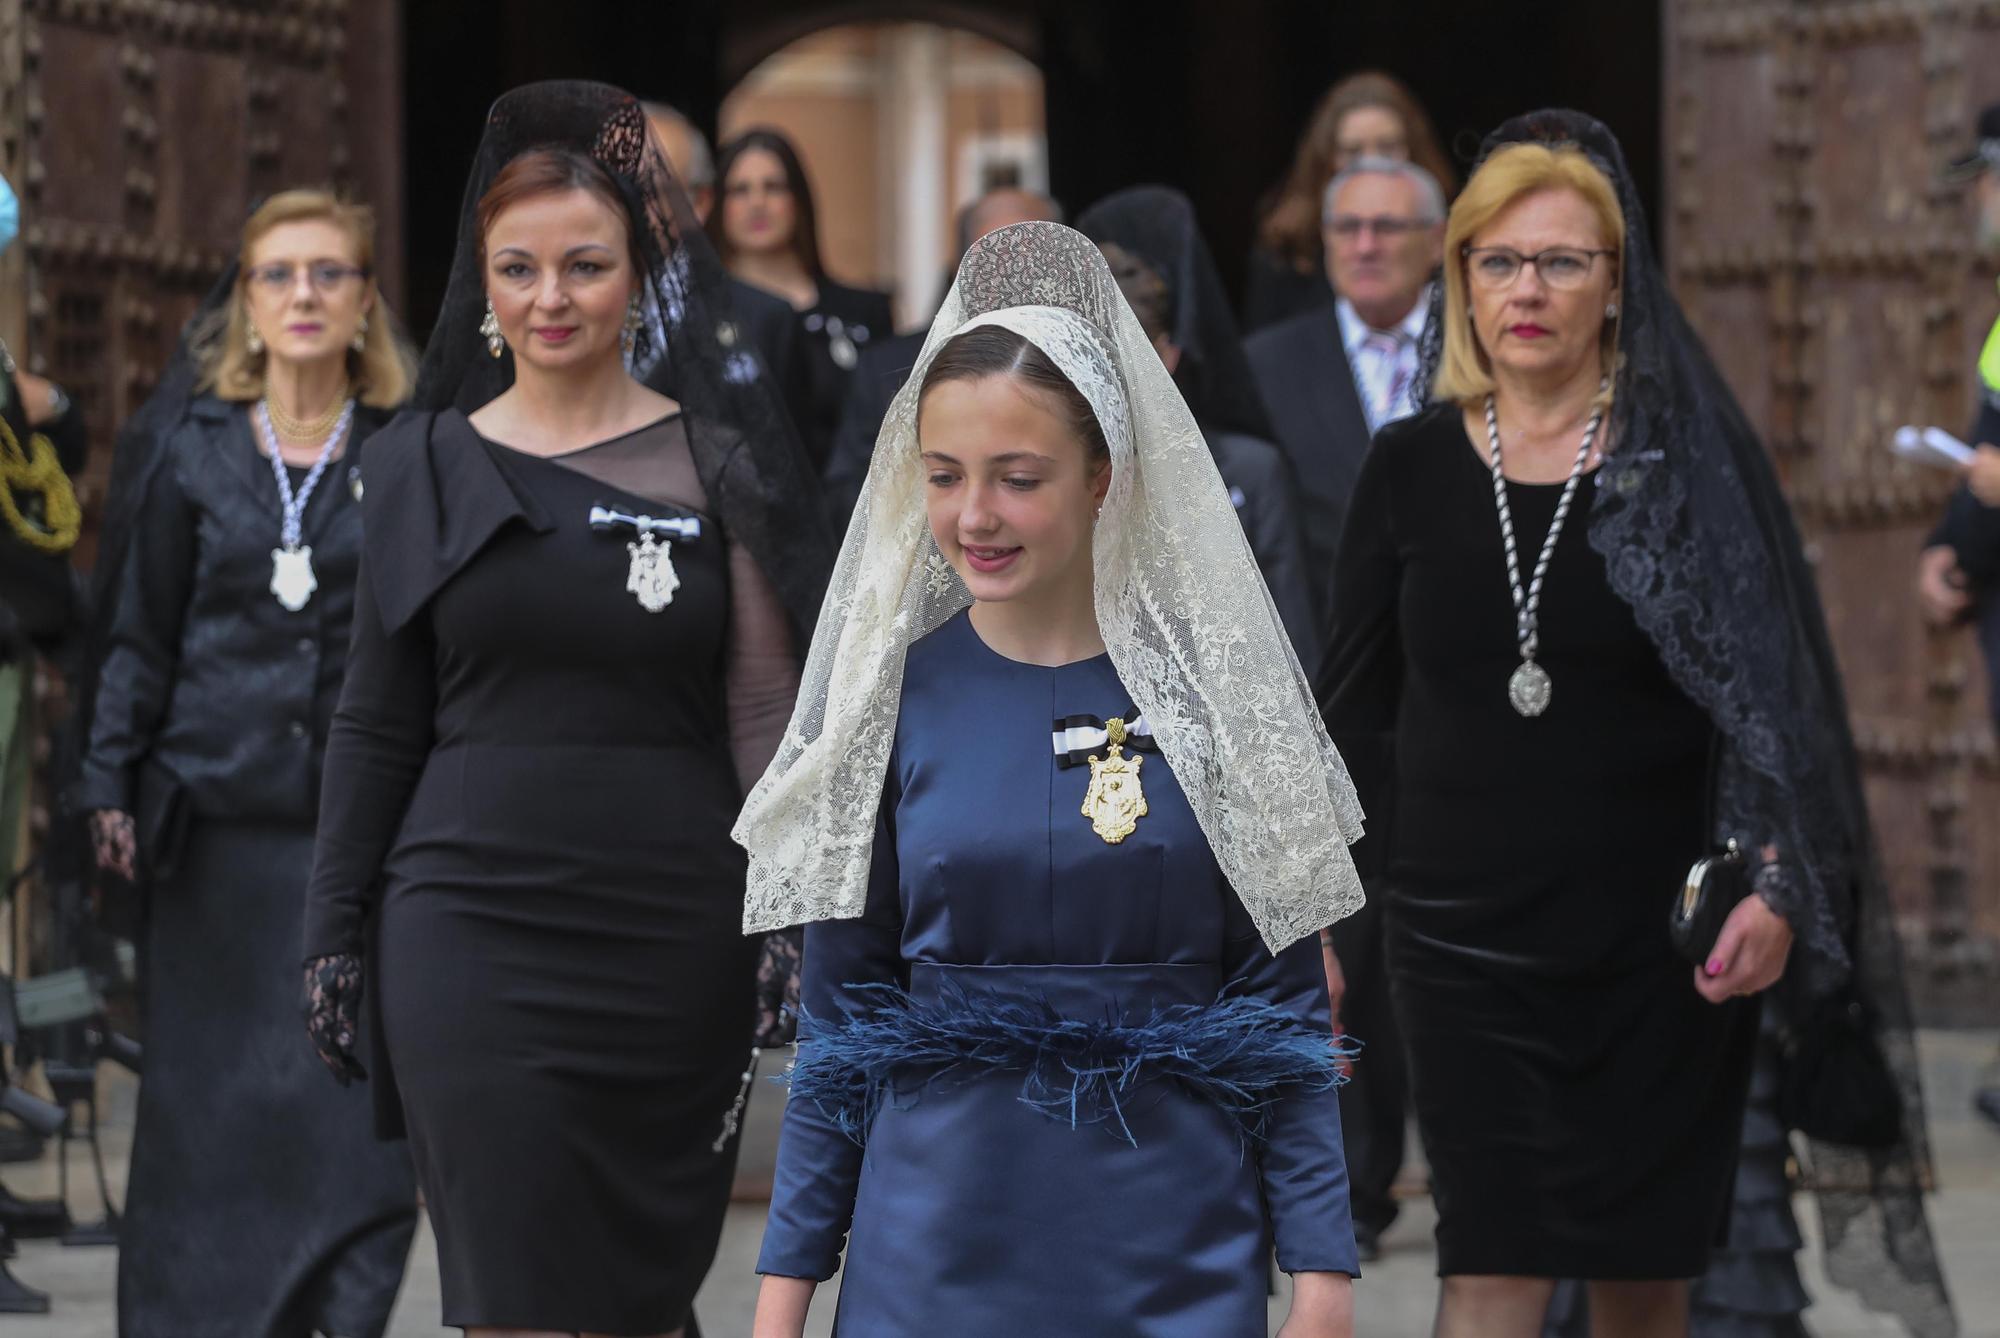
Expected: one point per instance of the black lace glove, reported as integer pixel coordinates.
(332, 1007)
(778, 988)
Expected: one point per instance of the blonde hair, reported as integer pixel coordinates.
(1465, 374)
(380, 373)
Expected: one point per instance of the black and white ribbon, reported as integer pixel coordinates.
(1078, 738)
(604, 520)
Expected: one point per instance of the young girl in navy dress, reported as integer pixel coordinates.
(1063, 823)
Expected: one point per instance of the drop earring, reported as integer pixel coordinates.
(489, 328)
(629, 340)
(360, 341)
(253, 343)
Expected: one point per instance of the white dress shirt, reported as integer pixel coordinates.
(1385, 362)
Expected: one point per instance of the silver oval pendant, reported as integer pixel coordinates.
(1530, 689)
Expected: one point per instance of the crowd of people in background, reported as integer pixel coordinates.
(464, 778)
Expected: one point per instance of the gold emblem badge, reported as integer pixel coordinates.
(1114, 803)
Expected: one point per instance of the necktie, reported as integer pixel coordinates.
(1391, 378)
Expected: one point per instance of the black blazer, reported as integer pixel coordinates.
(780, 341)
(880, 372)
(863, 312)
(1308, 387)
(211, 693)
(1266, 497)
(1274, 291)
(854, 318)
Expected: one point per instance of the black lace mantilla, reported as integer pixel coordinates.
(757, 476)
(1157, 224)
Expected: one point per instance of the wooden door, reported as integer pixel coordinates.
(1835, 279)
(139, 133)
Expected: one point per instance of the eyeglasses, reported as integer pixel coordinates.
(325, 276)
(1349, 227)
(1561, 267)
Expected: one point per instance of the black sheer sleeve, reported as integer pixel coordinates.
(136, 678)
(1360, 684)
(380, 740)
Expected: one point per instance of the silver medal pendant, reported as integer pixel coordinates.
(1530, 689)
(292, 578)
(652, 578)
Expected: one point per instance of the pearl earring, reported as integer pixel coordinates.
(1610, 311)
(360, 341)
(253, 343)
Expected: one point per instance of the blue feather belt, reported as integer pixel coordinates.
(1241, 1053)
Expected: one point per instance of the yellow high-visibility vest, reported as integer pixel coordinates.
(1989, 362)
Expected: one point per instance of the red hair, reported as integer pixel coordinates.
(550, 171)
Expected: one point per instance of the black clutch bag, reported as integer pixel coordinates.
(1715, 884)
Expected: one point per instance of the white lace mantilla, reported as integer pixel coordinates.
(1183, 610)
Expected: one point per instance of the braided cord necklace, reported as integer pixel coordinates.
(1530, 688)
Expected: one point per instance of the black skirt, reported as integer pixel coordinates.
(259, 1202)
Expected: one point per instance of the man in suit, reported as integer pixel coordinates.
(769, 321)
(885, 363)
(1330, 379)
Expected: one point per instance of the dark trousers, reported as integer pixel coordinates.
(1375, 1099)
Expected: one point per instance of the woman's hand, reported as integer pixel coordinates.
(781, 1307)
(1983, 474)
(1322, 1307)
(778, 989)
(332, 1009)
(1749, 954)
(114, 842)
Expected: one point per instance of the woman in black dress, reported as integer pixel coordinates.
(573, 644)
(765, 227)
(257, 1203)
(1567, 585)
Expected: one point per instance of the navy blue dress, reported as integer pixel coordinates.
(971, 1211)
